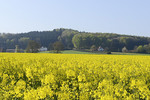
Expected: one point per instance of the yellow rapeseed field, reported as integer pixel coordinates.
(74, 77)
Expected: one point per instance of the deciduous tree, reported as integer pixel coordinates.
(58, 46)
(33, 46)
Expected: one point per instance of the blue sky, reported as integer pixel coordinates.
(114, 16)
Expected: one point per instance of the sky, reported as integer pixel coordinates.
(131, 17)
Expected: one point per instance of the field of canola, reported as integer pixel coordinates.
(74, 77)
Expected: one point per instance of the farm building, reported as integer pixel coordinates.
(10, 50)
(43, 49)
(100, 48)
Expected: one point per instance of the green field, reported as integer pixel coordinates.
(87, 52)
(69, 52)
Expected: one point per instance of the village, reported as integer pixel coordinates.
(41, 49)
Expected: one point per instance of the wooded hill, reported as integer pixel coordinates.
(73, 39)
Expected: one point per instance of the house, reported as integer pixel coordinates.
(43, 49)
(10, 50)
(100, 48)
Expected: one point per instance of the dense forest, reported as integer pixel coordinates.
(73, 39)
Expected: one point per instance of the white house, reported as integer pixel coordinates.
(43, 49)
(10, 50)
(100, 48)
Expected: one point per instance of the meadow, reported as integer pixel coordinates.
(46, 76)
(95, 52)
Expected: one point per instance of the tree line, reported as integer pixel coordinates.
(73, 39)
